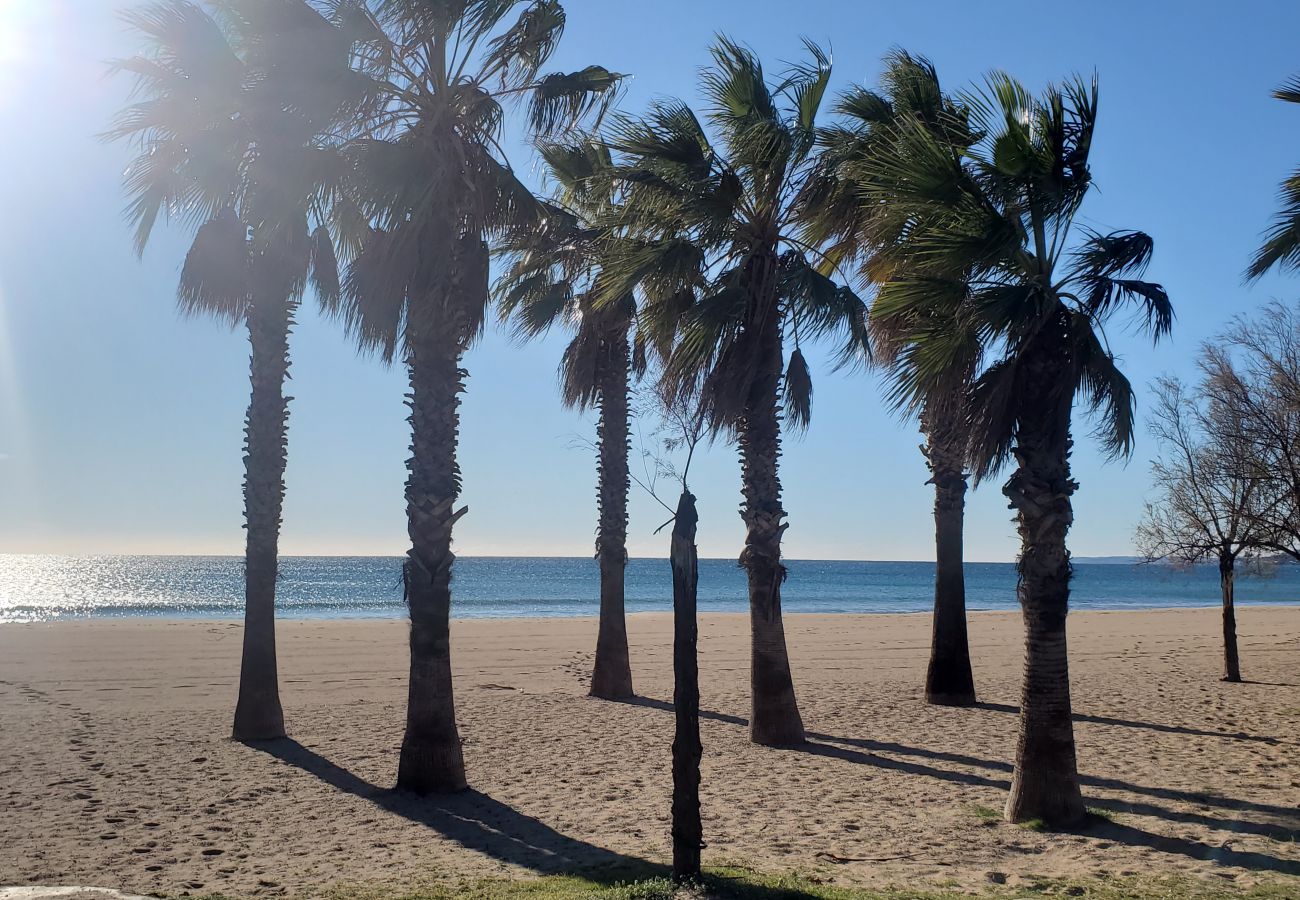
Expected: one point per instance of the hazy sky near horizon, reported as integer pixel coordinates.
(120, 421)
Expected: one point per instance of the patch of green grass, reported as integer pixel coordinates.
(735, 883)
(985, 813)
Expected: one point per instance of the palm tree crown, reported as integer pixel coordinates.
(716, 249)
(991, 246)
(233, 123)
(555, 267)
(430, 175)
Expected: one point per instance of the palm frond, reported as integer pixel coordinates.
(798, 391)
(1289, 90)
(1105, 389)
(215, 277)
(1281, 247)
(1097, 264)
(560, 100)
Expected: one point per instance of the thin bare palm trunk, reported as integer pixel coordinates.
(611, 677)
(258, 715)
(1227, 578)
(687, 830)
(1045, 784)
(774, 717)
(948, 679)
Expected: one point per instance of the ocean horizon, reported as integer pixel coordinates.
(36, 588)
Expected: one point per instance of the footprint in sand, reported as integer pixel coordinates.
(213, 851)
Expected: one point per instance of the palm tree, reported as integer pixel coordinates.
(712, 243)
(553, 278)
(992, 245)
(1281, 246)
(428, 187)
(849, 220)
(230, 120)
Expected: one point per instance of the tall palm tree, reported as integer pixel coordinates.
(711, 218)
(552, 278)
(992, 245)
(231, 119)
(850, 221)
(429, 186)
(1281, 246)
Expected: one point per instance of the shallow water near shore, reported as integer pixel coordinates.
(41, 588)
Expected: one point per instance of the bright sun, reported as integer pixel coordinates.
(16, 20)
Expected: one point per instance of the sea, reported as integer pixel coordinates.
(45, 588)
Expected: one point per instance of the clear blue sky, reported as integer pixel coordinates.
(120, 421)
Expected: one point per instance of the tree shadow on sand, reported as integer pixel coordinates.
(1152, 726)
(479, 823)
(1287, 831)
(470, 818)
(1194, 797)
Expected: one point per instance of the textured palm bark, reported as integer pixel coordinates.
(948, 678)
(774, 713)
(1227, 579)
(1045, 784)
(258, 714)
(687, 830)
(611, 677)
(431, 757)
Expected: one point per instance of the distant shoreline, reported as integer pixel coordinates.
(583, 618)
(1077, 560)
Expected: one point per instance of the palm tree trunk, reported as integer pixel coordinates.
(948, 679)
(1045, 785)
(431, 759)
(687, 831)
(258, 715)
(611, 677)
(1227, 577)
(774, 717)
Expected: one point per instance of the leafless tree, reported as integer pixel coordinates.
(1213, 501)
(1254, 371)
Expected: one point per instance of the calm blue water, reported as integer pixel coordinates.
(35, 588)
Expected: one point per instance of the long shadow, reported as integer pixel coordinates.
(667, 706)
(1110, 830)
(470, 818)
(1152, 726)
(1203, 799)
(1290, 831)
(1222, 855)
(478, 822)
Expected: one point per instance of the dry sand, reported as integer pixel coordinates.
(116, 770)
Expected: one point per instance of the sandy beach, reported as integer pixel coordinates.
(116, 768)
